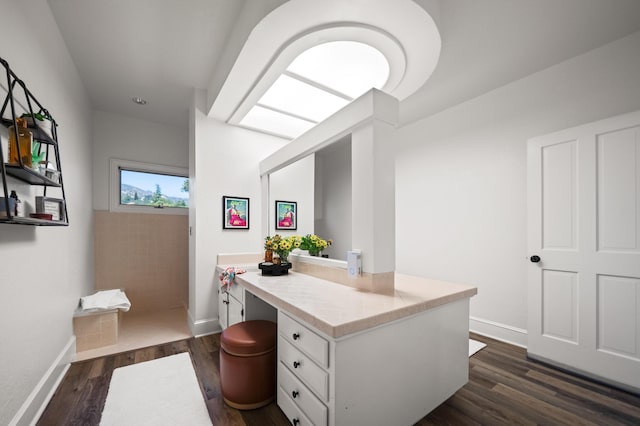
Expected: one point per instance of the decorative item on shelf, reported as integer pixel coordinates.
(3, 206)
(269, 268)
(42, 120)
(268, 249)
(280, 248)
(17, 211)
(314, 244)
(48, 170)
(37, 155)
(25, 140)
(52, 206)
(44, 216)
(268, 255)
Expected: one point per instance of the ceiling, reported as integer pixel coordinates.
(163, 50)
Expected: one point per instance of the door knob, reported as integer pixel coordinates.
(534, 258)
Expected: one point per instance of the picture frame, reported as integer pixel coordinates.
(286, 215)
(53, 206)
(235, 212)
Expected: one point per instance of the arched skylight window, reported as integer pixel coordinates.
(317, 83)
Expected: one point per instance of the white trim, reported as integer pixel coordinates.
(404, 32)
(116, 164)
(203, 327)
(505, 333)
(37, 401)
(304, 257)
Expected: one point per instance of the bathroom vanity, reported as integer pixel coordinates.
(348, 357)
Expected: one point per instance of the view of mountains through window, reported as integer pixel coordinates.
(153, 189)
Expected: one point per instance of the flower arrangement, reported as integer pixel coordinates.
(314, 244)
(282, 246)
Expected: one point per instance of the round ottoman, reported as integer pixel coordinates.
(248, 364)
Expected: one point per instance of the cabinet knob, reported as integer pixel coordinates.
(296, 364)
(296, 422)
(294, 394)
(535, 258)
(296, 336)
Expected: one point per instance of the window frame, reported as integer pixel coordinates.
(115, 165)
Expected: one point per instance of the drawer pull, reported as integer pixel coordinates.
(296, 364)
(295, 394)
(296, 422)
(296, 336)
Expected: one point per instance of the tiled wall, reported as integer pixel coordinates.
(96, 330)
(146, 255)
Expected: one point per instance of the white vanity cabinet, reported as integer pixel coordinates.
(394, 373)
(230, 305)
(347, 357)
(303, 374)
(236, 304)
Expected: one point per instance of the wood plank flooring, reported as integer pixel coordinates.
(505, 388)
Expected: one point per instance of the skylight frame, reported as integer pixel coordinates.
(303, 98)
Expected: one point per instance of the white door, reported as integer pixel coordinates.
(584, 248)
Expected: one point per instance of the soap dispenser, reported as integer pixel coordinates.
(25, 139)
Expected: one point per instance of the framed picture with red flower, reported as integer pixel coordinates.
(286, 215)
(235, 212)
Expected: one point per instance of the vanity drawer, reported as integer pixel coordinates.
(304, 339)
(302, 396)
(302, 367)
(293, 413)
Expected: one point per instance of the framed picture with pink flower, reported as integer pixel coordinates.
(235, 212)
(286, 215)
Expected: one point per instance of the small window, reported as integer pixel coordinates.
(148, 188)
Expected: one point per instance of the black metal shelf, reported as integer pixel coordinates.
(47, 149)
(15, 220)
(29, 176)
(38, 134)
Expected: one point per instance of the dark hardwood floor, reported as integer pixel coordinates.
(505, 388)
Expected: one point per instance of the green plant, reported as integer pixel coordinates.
(37, 116)
(282, 246)
(36, 155)
(314, 244)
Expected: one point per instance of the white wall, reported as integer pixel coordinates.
(461, 177)
(223, 160)
(44, 269)
(127, 138)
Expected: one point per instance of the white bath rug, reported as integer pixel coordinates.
(475, 346)
(163, 391)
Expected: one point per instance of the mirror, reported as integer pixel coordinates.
(320, 184)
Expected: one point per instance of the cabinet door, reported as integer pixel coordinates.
(236, 311)
(222, 308)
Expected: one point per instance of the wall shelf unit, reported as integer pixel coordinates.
(18, 102)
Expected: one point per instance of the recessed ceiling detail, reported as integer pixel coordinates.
(319, 82)
(289, 77)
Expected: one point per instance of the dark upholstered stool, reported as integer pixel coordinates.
(248, 364)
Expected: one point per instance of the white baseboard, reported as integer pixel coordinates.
(505, 333)
(37, 401)
(203, 327)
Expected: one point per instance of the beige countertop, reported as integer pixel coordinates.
(338, 310)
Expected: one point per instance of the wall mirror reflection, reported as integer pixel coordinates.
(320, 184)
